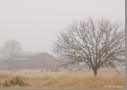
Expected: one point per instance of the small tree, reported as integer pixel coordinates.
(10, 49)
(96, 43)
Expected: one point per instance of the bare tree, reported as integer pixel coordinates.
(96, 43)
(10, 49)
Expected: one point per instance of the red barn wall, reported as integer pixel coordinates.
(40, 60)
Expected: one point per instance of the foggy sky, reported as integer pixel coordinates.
(34, 23)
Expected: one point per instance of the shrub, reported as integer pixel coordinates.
(81, 69)
(12, 82)
(21, 83)
(18, 81)
(41, 70)
(56, 70)
(0, 83)
(52, 69)
(6, 84)
(70, 69)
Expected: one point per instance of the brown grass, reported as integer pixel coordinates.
(35, 79)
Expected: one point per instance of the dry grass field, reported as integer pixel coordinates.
(35, 79)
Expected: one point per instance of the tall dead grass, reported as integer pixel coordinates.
(35, 79)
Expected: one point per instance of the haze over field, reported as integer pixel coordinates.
(34, 23)
(62, 44)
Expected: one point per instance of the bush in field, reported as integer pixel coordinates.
(52, 69)
(21, 83)
(18, 81)
(6, 84)
(56, 70)
(70, 69)
(12, 82)
(41, 70)
(0, 83)
(80, 69)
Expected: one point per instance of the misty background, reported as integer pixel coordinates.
(35, 23)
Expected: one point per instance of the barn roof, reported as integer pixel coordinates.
(27, 55)
(24, 56)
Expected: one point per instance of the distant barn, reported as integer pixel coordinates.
(30, 60)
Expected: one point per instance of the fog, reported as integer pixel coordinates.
(35, 23)
(89, 52)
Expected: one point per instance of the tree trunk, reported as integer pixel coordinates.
(95, 72)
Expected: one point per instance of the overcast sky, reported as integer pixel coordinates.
(34, 23)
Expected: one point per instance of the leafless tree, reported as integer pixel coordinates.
(10, 49)
(97, 43)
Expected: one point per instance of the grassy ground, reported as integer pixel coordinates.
(35, 79)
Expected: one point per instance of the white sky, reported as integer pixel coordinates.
(34, 23)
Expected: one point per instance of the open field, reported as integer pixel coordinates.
(35, 79)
